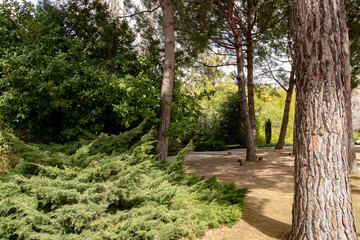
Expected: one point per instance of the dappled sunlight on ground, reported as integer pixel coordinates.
(267, 214)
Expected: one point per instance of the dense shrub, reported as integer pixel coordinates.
(106, 187)
(69, 66)
(211, 145)
(231, 122)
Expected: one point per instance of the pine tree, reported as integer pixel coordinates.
(268, 130)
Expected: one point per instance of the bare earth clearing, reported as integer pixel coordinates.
(267, 214)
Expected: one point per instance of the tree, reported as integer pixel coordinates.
(254, 19)
(289, 91)
(322, 206)
(168, 79)
(277, 50)
(268, 130)
(65, 66)
(353, 15)
(227, 12)
(352, 8)
(282, 48)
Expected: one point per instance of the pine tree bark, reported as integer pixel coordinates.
(249, 138)
(250, 85)
(281, 141)
(168, 79)
(249, 134)
(322, 206)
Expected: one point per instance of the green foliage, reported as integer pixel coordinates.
(356, 135)
(353, 15)
(268, 130)
(102, 188)
(7, 158)
(212, 87)
(214, 130)
(71, 67)
(270, 103)
(231, 122)
(211, 145)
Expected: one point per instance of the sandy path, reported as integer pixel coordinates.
(267, 214)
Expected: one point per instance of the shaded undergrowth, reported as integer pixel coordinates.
(109, 187)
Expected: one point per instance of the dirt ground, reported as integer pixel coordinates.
(267, 213)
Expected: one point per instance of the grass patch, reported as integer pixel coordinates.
(109, 187)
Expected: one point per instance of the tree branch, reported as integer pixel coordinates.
(138, 13)
(215, 66)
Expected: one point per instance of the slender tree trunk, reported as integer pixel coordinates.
(168, 79)
(352, 153)
(322, 206)
(353, 168)
(228, 14)
(250, 141)
(294, 139)
(281, 142)
(250, 85)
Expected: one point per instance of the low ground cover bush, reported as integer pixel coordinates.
(109, 187)
(7, 158)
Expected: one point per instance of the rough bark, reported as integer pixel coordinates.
(168, 79)
(250, 85)
(249, 138)
(322, 206)
(281, 141)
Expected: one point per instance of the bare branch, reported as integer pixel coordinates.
(272, 75)
(221, 54)
(215, 66)
(222, 44)
(138, 13)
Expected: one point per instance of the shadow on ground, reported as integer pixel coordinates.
(268, 205)
(267, 225)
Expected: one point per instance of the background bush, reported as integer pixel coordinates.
(69, 66)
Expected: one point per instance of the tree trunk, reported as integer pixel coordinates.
(250, 145)
(322, 206)
(250, 141)
(250, 85)
(281, 142)
(352, 153)
(168, 79)
(353, 168)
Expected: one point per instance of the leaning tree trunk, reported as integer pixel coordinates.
(250, 84)
(250, 141)
(168, 79)
(281, 141)
(322, 206)
(250, 145)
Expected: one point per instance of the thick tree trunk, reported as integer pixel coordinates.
(281, 141)
(250, 85)
(168, 79)
(250, 141)
(322, 206)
